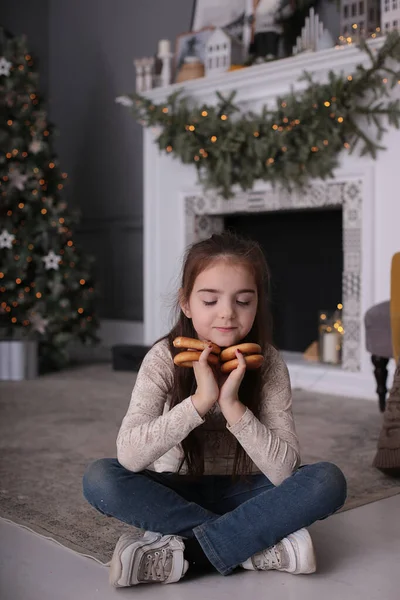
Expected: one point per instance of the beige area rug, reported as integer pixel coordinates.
(52, 427)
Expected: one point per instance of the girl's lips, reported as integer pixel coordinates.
(225, 329)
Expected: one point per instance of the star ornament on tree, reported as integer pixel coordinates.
(51, 260)
(5, 66)
(39, 324)
(6, 239)
(18, 180)
(35, 146)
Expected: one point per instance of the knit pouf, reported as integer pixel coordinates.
(387, 458)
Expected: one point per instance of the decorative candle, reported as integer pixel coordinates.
(330, 347)
(164, 47)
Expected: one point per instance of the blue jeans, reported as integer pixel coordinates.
(232, 520)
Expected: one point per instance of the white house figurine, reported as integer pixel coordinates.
(390, 15)
(222, 50)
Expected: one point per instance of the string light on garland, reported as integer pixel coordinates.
(236, 159)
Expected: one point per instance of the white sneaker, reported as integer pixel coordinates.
(294, 554)
(151, 558)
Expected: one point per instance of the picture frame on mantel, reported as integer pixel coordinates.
(234, 16)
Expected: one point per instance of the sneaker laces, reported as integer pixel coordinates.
(271, 558)
(157, 565)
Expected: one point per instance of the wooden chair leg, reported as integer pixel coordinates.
(381, 374)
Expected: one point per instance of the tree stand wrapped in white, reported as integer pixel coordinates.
(18, 359)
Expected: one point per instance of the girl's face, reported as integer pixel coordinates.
(223, 303)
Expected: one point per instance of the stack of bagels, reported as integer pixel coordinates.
(191, 349)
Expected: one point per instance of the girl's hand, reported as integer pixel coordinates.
(207, 391)
(229, 391)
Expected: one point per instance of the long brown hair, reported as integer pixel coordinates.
(238, 250)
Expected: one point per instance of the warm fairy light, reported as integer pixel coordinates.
(270, 161)
(64, 175)
(9, 122)
(204, 113)
(327, 103)
(340, 306)
(46, 133)
(70, 243)
(275, 127)
(80, 310)
(197, 158)
(43, 211)
(191, 127)
(340, 119)
(60, 186)
(256, 134)
(61, 220)
(165, 109)
(13, 320)
(354, 26)
(34, 192)
(21, 205)
(1, 275)
(82, 281)
(325, 142)
(323, 317)
(18, 280)
(340, 329)
(346, 145)
(284, 105)
(38, 295)
(384, 80)
(213, 138)
(51, 165)
(314, 149)
(27, 289)
(224, 117)
(169, 148)
(284, 148)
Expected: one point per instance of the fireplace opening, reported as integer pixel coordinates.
(304, 251)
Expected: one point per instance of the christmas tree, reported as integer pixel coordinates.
(46, 284)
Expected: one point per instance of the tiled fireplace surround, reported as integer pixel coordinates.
(177, 211)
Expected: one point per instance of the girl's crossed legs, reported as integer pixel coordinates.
(231, 520)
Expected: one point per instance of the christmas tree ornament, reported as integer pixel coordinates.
(51, 260)
(17, 180)
(6, 239)
(5, 66)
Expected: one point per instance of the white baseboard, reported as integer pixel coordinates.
(114, 331)
(334, 380)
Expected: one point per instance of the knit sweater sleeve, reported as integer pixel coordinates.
(271, 441)
(146, 433)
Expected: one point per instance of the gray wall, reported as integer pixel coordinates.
(86, 49)
(30, 18)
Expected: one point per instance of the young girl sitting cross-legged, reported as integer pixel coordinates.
(208, 459)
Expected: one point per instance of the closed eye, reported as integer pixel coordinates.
(241, 303)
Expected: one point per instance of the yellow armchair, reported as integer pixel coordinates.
(395, 305)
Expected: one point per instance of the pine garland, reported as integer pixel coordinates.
(300, 140)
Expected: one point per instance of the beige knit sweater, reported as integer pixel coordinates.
(151, 433)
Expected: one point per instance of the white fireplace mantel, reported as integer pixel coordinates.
(170, 190)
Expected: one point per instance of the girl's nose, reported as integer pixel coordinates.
(227, 311)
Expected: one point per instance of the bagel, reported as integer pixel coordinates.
(245, 349)
(253, 361)
(187, 358)
(186, 343)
